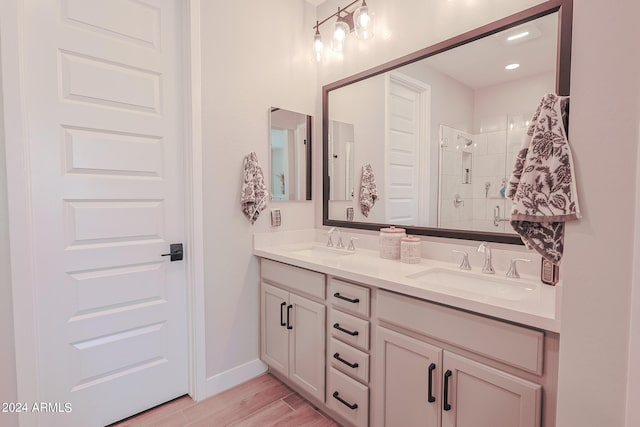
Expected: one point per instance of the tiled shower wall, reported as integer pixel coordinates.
(493, 153)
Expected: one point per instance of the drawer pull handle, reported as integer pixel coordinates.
(344, 402)
(446, 406)
(346, 331)
(282, 314)
(353, 301)
(431, 398)
(351, 365)
(289, 316)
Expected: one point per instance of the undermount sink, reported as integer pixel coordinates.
(320, 252)
(476, 284)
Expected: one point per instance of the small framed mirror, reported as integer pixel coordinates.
(290, 155)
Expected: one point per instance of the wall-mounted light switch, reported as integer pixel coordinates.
(349, 214)
(276, 218)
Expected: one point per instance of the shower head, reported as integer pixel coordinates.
(467, 141)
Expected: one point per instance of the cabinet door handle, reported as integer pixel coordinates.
(431, 398)
(346, 331)
(351, 365)
(446, 406)
(282, 314)
(289, 316)
(344, 402)
(354, 301)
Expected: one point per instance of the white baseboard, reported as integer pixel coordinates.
(231, 378)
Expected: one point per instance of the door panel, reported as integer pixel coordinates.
(402, 399)
(405, 119)
(481, 396)
(275, 335)
(307, 351)
(102, 85)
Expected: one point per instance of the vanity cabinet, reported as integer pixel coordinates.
(372, 357)
(423, 385)
(293, 325)
(424, 380)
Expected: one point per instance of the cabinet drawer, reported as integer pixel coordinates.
(349, 297)
(349, 360)
(302, 281)
(349, 329)
(514, 345)
(348, 397)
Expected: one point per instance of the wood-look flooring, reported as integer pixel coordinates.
(263, 401)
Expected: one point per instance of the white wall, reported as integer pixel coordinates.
(255, 54)
(597, 268)
(8, 387)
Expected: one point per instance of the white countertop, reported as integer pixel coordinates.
(538, 309)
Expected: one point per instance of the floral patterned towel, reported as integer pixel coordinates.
(254, 192)
(542, 185)
(368, 191)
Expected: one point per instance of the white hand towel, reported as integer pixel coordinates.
(368, 190)
(542, 185)
(254, 192)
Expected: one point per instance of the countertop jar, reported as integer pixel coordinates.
(410, 250)
(389, 242)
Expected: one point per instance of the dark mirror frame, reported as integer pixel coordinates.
(563, 76)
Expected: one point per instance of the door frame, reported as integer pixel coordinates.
(21, 238)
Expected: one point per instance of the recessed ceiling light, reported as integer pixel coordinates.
(511, 66)
(518, 36)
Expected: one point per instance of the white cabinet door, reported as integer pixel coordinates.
(275, 335)
(409, 372)
(481, 396)
(307, 345)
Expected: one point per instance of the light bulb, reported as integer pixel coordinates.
(339, 35)
(317, 43)
(363, 22)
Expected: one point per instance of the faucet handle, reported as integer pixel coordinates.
(339, 244)
(513, 270)
(464, 265)
(352, 244)
(330, 233)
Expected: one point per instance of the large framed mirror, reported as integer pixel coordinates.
(440, 128)
(290, 155)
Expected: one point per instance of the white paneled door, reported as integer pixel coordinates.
(407, 123)
(104, 107)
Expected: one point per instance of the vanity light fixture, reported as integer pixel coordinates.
(359, 20)
(512, 66)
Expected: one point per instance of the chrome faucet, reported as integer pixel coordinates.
(340, 243)
(487, 267)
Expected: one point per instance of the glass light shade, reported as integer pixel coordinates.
(340, 32)
(317, 45)
(363, 21)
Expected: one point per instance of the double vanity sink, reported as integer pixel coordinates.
(376, 342)
(523, 300)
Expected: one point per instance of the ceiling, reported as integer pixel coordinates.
(481, 63)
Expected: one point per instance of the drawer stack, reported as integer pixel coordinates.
(348, 354)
